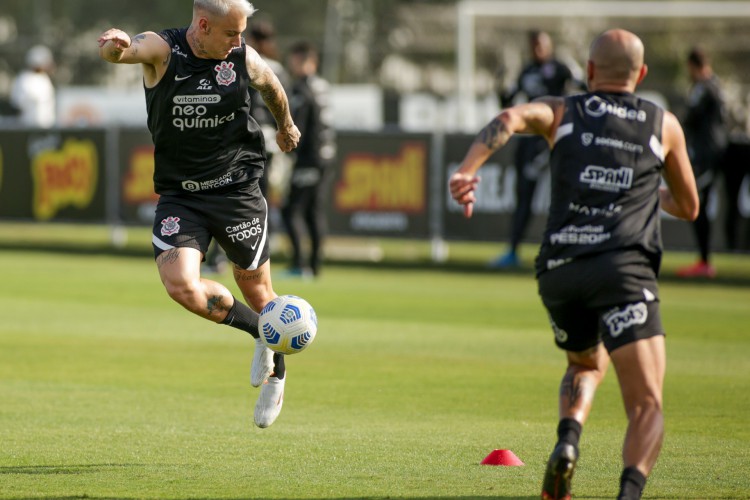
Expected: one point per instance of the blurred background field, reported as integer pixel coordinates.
(109, 390)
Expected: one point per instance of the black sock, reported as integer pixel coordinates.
(632, 483)
(279, 368)
(242, 317)
(569, 431)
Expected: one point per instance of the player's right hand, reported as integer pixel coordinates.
(462, 189)
(118, 37)
(288, 138)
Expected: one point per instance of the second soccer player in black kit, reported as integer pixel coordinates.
(599, 258)
(545, 75)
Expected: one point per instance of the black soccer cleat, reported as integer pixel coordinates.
(560, 468)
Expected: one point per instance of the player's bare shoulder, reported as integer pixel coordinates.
(150, 48)
(257, 68)
(672, 136)
(555, 103)
(543, 116)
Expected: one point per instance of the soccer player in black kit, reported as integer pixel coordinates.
(309, 99)
(599, 259)
(543, 76)
(708, 137)
(209, 154)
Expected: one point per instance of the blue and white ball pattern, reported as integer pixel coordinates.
(288, 324)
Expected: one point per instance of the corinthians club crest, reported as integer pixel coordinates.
(170, 226)
(225, 74)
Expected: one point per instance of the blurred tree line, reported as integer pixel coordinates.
(342, 29)
(401, 45)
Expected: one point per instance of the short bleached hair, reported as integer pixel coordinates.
(223, 7)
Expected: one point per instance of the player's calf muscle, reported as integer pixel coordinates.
(217, 307)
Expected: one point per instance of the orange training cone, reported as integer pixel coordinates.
(502, 457)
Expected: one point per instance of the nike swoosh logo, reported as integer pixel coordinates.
(178, 78)
(252, 247)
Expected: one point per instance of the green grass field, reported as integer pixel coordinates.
(110, 390)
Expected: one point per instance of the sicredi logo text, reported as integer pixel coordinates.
(597, 107)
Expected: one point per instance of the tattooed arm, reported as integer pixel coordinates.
(264, 80)
(148, 49)
(539, 117)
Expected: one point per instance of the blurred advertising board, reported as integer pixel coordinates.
(380, 185)
(137, 200)
(384, 184)
(52, 175)
(496, 195)
(728, 207)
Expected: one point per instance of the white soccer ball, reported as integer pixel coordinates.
(288, 324)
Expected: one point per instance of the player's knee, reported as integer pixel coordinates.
(259, 299)
(184, 293)
(594, 373)
(594, 361)
(652, 402)
(648, 407)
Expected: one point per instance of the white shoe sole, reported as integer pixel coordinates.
(270, 401)
(262, 364)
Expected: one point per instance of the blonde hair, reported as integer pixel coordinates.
(223, 7)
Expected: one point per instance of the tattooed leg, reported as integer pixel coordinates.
(256, 285)
(585, 372)
(179, 269)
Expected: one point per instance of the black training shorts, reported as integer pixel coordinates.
(237, 219)
(610, 297)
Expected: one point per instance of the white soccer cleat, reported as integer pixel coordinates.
(262, 364)
(269, 402)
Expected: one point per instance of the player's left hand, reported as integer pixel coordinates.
(288, 138)
(462, 187)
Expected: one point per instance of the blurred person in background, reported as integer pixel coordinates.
(209, 154)
(309, 100)
(263, 40)
(32, 93)
(707, 138)
(543, 76)
(598, 263)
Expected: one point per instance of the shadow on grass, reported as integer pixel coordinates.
(481, 497)
(62, 469)
(474, 497)
(94, 468)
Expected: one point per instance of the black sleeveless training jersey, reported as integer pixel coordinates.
(199, 118)
(606, 169)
